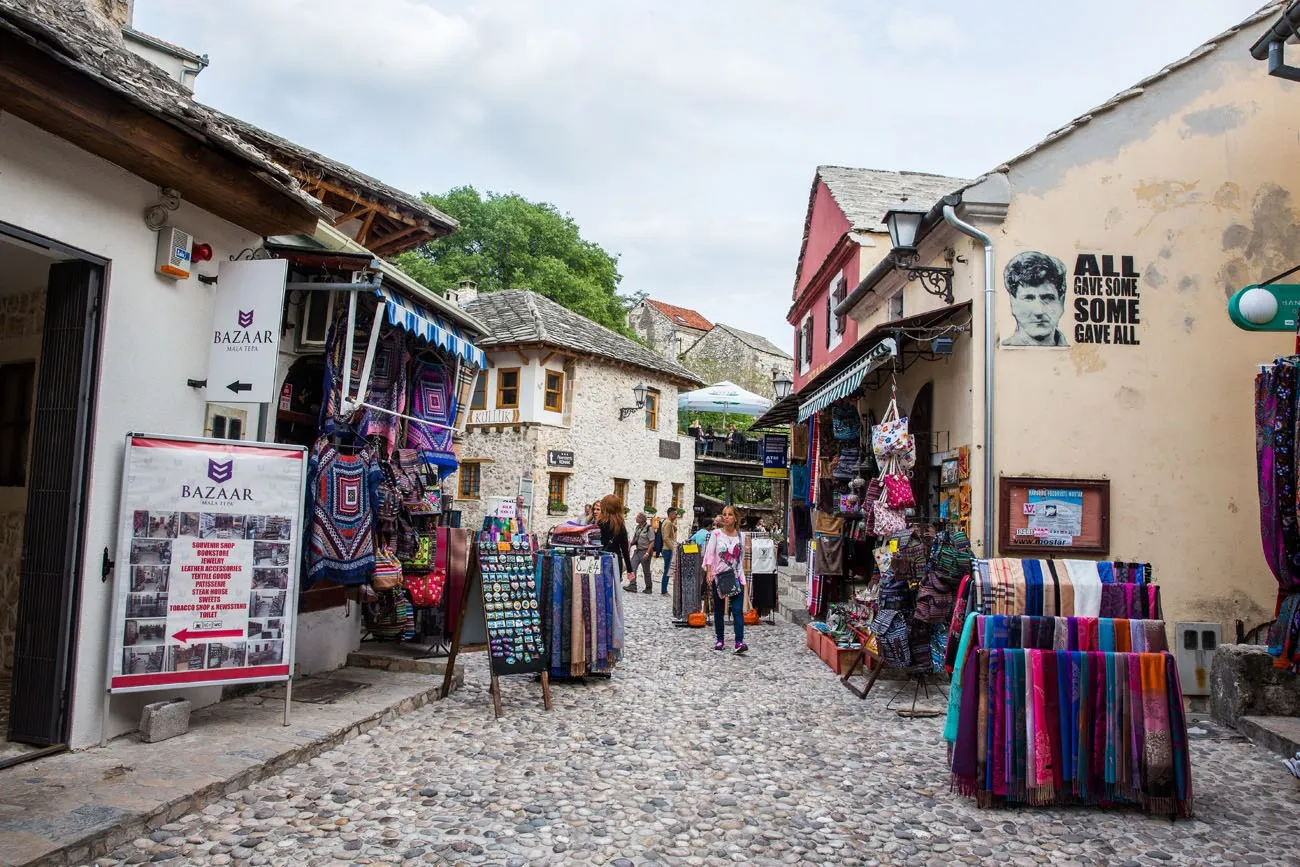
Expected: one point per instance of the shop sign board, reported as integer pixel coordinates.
(1275, 307)
(208, 553)
(1055, 516)
(559, 459)
(246, 316)
(775, 450)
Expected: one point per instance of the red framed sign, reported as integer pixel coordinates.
(208, 553)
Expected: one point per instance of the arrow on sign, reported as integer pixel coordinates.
(186, 634)
(238, 386)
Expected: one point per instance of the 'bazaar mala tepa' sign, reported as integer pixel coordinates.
(206, 582)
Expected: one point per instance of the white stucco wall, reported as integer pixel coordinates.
(154, 337)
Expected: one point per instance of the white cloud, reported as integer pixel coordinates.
(681, 135)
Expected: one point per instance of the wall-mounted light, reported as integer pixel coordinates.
(904, 225)
(639, 393)
(781, 383)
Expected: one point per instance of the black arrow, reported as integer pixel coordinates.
(238, 386)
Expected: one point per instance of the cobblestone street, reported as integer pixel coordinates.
(689, 756)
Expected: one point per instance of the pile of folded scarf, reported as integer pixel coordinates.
(846, 466)
(573, 534)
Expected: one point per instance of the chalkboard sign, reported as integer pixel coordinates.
(510, 604)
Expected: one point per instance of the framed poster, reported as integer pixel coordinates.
(1054, 516)
(208, 551)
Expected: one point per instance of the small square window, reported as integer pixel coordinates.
(508, 388)
(471, 478)
(478, 400)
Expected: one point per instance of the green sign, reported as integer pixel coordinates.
(1266, 308)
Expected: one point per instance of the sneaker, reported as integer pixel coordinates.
(742, 647)
(720, 645)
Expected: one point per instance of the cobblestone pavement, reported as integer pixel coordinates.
(688, 756)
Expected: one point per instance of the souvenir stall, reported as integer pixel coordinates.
(1277, 422)
(394, 380)
(1064, 691)
(582, 611)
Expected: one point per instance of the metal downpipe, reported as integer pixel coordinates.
(951, 218)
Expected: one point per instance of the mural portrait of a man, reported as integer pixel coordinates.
(1036, 282)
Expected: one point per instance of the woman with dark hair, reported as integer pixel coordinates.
(613, 534)
(723, 558)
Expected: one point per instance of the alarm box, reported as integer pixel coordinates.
(174, 253)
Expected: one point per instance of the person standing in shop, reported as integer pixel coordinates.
(642, 539)
(701, 536)
(724, 553)
(613, 533)
(668, 532)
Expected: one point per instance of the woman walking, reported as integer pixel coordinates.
(723, 562)
(613, 533)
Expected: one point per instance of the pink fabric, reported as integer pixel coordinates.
(1042, 743)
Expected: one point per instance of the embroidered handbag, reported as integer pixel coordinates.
(390, 617)
(934, 601)
(426, 549)
(726, 583)
(890, 628)
(891, 436)
(426, 589)
(845, 422)
(889, 522)
(898, 491)
(388, 570)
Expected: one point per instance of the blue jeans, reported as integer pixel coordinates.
(668, 563)
(737, 605)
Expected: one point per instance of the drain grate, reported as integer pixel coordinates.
(319, 690)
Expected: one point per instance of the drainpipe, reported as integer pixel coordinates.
(951, 218)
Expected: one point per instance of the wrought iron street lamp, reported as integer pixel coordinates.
(904, 225)
(639, 393)
(781, 383)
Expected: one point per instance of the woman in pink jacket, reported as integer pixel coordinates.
(723, 554)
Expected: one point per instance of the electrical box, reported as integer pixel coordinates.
(174, 253)
(1194, 646)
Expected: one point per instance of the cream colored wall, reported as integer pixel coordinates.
(1198, 180)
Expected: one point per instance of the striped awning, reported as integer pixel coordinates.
(850, 380)
(430, 328)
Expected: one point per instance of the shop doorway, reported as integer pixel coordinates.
(925, 478)
(49, 302)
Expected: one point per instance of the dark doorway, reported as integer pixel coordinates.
(47, 375)
(925, 479)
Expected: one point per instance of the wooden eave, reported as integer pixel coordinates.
(385, 230)
(50, 95)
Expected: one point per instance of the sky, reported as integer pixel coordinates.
(682, 136)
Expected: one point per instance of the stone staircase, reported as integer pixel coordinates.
(790, 584)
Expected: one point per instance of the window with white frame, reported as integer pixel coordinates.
(839, 291)
(805, 332)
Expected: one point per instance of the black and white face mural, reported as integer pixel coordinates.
(1105, 308)
(1036, 283)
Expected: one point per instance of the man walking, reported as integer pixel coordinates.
(668, 532)
(642, 539)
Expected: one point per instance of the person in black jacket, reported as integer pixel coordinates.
(613, 534)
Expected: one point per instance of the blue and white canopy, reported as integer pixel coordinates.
(850, 380)
(430, 328)
(724, 397)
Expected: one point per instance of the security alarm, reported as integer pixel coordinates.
(174, 259)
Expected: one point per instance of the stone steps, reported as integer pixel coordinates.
(1280, 734)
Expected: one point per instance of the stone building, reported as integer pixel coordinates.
(667, 329)
(554, 417)
(747, 359)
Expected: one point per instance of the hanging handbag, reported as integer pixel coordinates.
(891, 436)
(934, 601)
(726, 583)
(425, 551)
(898, 491)
(426, 589)
(845, 422)
(830, 555)
(388, 570)
(888, 522)
(891, 631)
(826, 524)
(390, 617)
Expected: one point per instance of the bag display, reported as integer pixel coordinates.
(891, 436)
(898, 491)
(426, 589)
(891, 631)
(846, 424)
(388, 570)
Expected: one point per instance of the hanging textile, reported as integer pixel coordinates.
(432, 400)
(386, 389)
(343, 492)
(687, 576)
(582, 612)
(1066, 588)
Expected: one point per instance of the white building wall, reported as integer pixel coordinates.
(153, 337)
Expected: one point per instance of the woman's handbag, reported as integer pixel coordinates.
(826, 524)
(891, 436)
(726, 583)
(697, 619)
(890, 628)
(388, 570)
(888, 522)
(426, 590)
(751, 617)
(425, 550)
(934, 601)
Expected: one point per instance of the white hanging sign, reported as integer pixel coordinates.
(245, 333)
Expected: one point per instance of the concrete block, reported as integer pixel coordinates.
(1244, 682)
(164, 719)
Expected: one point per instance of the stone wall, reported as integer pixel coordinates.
(1243, 682)
(506, 454)
(721, 355)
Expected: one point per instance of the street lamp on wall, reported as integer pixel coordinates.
(904, 225)
(639, 394)
(781, 383)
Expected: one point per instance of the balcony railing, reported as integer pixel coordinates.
(720, 448)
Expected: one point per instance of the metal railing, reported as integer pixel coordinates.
(747, 451)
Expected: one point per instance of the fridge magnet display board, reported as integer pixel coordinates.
(1054, 516)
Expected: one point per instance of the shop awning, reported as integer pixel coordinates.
(406, 314)
(850, 380)
(783, 412)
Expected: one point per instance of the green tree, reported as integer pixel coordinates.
(508, 242)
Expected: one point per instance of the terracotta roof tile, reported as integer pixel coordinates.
(682, 315)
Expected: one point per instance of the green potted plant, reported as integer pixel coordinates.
(650, 510)
(556, 508)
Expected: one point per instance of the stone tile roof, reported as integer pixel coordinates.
(755, 341)
(67, 32)
(521, 316)
(866, 195)
(681, 315)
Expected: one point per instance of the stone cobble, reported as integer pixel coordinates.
(689, 756)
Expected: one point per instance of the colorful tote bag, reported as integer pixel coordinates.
(891, 437)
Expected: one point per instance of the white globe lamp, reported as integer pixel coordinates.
(1258, 306)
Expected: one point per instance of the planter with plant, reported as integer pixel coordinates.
(554, 508)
